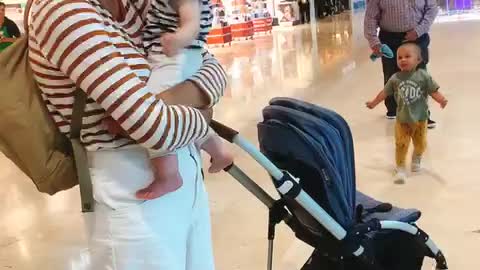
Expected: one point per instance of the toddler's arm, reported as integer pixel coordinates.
(379, 98)
(439, 98)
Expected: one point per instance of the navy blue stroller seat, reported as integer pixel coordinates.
(315, 144)
(308, 151)
(322, 139)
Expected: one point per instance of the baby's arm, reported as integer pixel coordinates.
(439, 98)
(379, 98)
(189, 13)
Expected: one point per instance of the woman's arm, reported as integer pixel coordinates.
(211, 79)
(72, 36)
(186, 93)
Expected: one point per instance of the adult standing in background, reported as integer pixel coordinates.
(399, 21)
(9, 31)
(304, 6)
(97, 46)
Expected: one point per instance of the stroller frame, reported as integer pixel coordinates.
(288, 186)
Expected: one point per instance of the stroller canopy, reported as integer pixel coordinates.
(315, 144)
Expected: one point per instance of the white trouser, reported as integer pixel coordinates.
(169, 233)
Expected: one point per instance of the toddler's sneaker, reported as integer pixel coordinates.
(416, 163)
(400, 176)
(391, 115)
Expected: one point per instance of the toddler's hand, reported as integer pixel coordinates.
(370, 105)
(170, 44)
(444, 103)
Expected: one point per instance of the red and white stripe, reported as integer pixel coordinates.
(75, 43)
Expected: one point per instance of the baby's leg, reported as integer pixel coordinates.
(220, 155)
(165, 73)
(167, 178)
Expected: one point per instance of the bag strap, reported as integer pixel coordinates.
(79, 153)
(80, 100)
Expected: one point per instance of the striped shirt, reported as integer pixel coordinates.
(398, 16)
(163, 18)
(76, 43)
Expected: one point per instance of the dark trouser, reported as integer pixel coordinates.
(390, 67)
(304, 12)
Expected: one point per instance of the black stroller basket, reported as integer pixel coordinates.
(347, 229)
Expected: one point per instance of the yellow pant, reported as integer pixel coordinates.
(404, 132)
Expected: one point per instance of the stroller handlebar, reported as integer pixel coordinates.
(289, 186)
(223, 131)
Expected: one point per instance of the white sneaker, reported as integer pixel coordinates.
(416, 163)
(400, 176)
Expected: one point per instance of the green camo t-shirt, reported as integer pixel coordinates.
(411, 91)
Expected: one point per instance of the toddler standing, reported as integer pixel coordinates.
(411, 88)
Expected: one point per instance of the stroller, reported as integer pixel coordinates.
(308, 152)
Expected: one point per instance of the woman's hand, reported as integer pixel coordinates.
(114, 128)
(207, 114)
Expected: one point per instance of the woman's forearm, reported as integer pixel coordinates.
(186, 93)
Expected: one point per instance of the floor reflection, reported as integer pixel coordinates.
(285, 60)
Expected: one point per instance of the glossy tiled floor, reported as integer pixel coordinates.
(330, 68)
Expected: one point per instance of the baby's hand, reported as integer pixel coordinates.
(170, 44)
(370, 104)
(444, 103)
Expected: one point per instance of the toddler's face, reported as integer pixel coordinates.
(408, 58)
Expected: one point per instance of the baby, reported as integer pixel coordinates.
(411, 88)
(174, 36)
